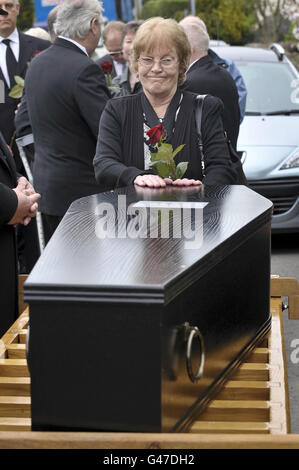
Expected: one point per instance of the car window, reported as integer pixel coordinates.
(271, 87)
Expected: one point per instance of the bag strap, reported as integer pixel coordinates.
(198, 116)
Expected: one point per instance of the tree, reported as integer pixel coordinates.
(291, 11)
(27, 15)
(269, 18)
(165, 8)
(229, 20)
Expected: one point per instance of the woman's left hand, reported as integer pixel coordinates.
(183, 182)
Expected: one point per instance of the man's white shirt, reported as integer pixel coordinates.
(76, 44)
(15, 47)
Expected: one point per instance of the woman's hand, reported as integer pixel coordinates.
(150, 181)
(183, 182)
(155, 181)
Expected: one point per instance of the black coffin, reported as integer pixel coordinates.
(134, 325)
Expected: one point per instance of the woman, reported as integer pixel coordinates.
(160, 56)
(128, 81)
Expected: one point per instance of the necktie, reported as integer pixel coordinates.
(11, 63)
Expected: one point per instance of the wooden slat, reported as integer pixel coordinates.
(259, 355)
(22, 336)
(237, 410)
(252, 407)
(287, 287)
(15, 386)
(115, 440)
(13, 333)
(15, 407)
(15, 424)
(16, 351)
(13, 368)
(278, 395)
(221, 427)
(245, 389)
(252, 371)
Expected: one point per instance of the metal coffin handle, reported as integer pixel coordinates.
(193, 332)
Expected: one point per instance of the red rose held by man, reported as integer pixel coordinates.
(155, 134)
(106, 67)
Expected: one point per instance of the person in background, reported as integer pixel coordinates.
(112, 38)
(18, 204)
(227, 64)
(160, 55)
(39, 33)
(66, 94)
(205, 77)
(128, 81)
(16, 52)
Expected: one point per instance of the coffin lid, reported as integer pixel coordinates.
(79, 265)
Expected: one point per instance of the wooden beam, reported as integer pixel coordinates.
(286, 287)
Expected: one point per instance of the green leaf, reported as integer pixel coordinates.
(181, 170)
(164, 168)
(177, 150)
(165, 152)
(19, 80)
(153, 164)
(16, 92)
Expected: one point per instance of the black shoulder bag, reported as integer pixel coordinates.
(235, 159)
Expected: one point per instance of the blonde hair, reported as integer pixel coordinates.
(157, 31)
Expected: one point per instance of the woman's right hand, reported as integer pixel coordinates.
(150, 181)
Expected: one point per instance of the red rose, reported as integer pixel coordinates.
(155, 134)
(106, 67)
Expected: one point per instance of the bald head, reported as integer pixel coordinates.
(198, 38)
(193, 20)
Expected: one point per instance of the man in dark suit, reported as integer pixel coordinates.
(205, 77)
(228, 65)
(112, 38)
(66, 94)
(16, 51)
(18, 204)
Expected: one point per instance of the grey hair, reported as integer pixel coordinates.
(74, 17)
(197, 36)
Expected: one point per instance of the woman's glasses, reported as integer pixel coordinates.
(164, 62)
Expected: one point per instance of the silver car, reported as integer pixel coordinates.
(269, 133)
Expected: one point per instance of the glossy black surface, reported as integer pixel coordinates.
(109, 316)
(76, 257)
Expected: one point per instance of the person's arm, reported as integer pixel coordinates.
(218, 166)
(110, 169)
(18, 205)
(8, 204)
(240, 84)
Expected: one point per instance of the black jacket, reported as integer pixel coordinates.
(66, 94)
(120, 150)
(205, 77)
(29, 47)
(8, 256)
